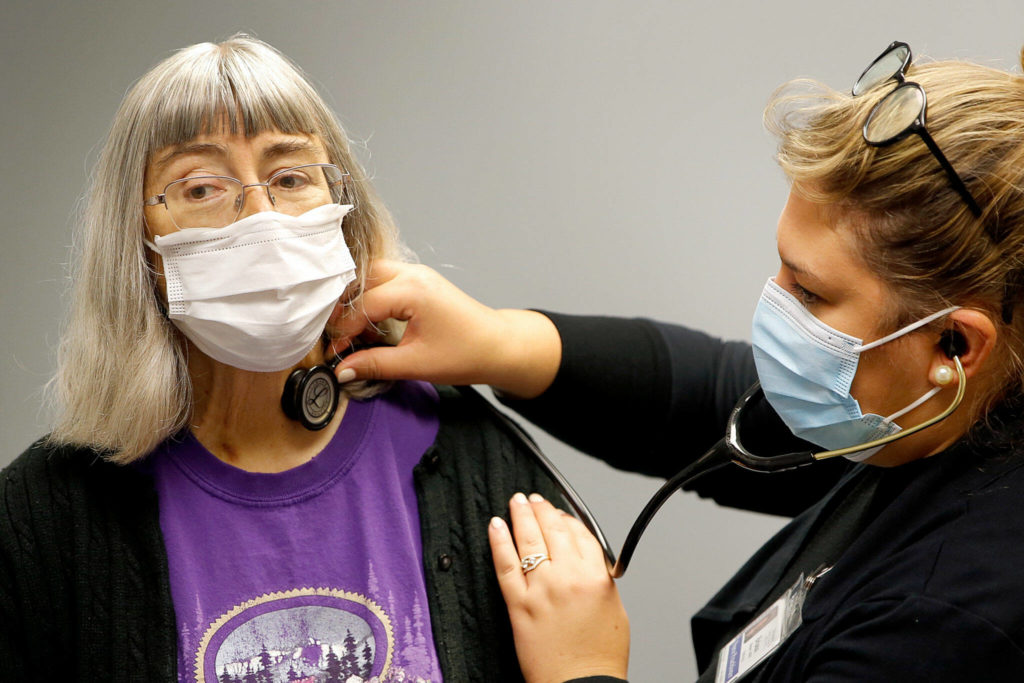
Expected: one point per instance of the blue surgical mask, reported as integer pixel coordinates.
(806, 369)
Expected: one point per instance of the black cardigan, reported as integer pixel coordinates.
(928, 576)
(84, 589)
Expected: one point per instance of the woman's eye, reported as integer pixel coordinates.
(291, 181)
(199, 192)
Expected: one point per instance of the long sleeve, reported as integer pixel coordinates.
(650, 397)
(913, 638)
(84, 593)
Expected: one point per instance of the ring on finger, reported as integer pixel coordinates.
(531, 562)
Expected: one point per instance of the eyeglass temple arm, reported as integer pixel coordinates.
(958, 184)
(954, 177)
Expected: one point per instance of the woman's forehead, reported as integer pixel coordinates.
(224, 144)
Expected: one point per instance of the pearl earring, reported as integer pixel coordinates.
(943, 375)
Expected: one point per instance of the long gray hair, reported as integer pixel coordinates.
(122, 384)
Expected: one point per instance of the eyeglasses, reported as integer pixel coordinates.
(902, 112)
(214, 201)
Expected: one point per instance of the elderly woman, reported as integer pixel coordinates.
(898, 300)
(209, 505)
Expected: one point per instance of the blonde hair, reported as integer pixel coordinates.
(914, 230)
(122, 384)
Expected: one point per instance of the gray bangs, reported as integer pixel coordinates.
(240, 85)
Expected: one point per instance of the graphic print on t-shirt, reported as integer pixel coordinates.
(314, 573)
(310, 634)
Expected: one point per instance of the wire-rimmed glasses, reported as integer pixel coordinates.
(902, 112)
(215, 201)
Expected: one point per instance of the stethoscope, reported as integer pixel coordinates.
(311, 397)
(729, 449)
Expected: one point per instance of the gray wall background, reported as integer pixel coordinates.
(592, 157)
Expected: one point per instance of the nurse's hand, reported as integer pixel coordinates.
(567, 618)
(450, 338)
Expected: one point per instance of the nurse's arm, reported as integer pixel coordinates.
(450, 338)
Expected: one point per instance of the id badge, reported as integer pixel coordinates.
(763, 635)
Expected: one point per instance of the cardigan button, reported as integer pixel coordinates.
(432, 461)
(444, 562)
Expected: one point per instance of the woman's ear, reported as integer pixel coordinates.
(971, 337)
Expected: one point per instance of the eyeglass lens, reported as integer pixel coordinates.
(887, 66)
(217, 201)
(901, 112)
(895, 114)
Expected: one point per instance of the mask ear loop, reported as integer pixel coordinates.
(161, 305)
(961, 388)
(904, 330)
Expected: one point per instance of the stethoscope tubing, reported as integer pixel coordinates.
(728, 449)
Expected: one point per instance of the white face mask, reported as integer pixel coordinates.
(257, 294)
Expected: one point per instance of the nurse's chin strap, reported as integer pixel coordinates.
(775, 463)
(729, 449)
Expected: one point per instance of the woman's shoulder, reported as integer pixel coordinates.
(50, 480)
(464, 409)
(46, 460)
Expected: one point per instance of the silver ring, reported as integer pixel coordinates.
(531, 562)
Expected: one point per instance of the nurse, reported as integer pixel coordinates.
(902, 251)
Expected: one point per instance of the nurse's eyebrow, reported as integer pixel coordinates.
(191, 148)
(799, 270)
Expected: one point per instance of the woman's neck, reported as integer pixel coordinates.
(238, 417)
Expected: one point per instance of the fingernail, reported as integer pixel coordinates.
(497, 523)
(536, 498)
(346, 375)
(519, 498)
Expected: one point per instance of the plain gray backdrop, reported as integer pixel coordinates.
(592, 157)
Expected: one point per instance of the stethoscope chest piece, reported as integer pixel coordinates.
(311, 396)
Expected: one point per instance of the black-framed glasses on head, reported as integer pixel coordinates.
(902, 112)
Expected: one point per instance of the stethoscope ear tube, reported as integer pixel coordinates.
(729, 449)
(744, 458)
(785, 461)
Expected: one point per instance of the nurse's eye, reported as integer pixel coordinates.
(806, 296)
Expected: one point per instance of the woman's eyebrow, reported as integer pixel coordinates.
(191, 148)
(286, 147)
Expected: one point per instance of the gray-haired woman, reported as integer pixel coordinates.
(210, 504)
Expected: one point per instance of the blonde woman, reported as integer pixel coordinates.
(208, 506)
(898, 299)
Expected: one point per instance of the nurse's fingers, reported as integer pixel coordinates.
(525, 528)
(507, 564)
(560, 541)
(348, 321)
(586, 543)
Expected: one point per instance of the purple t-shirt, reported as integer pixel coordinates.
(312, 574)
